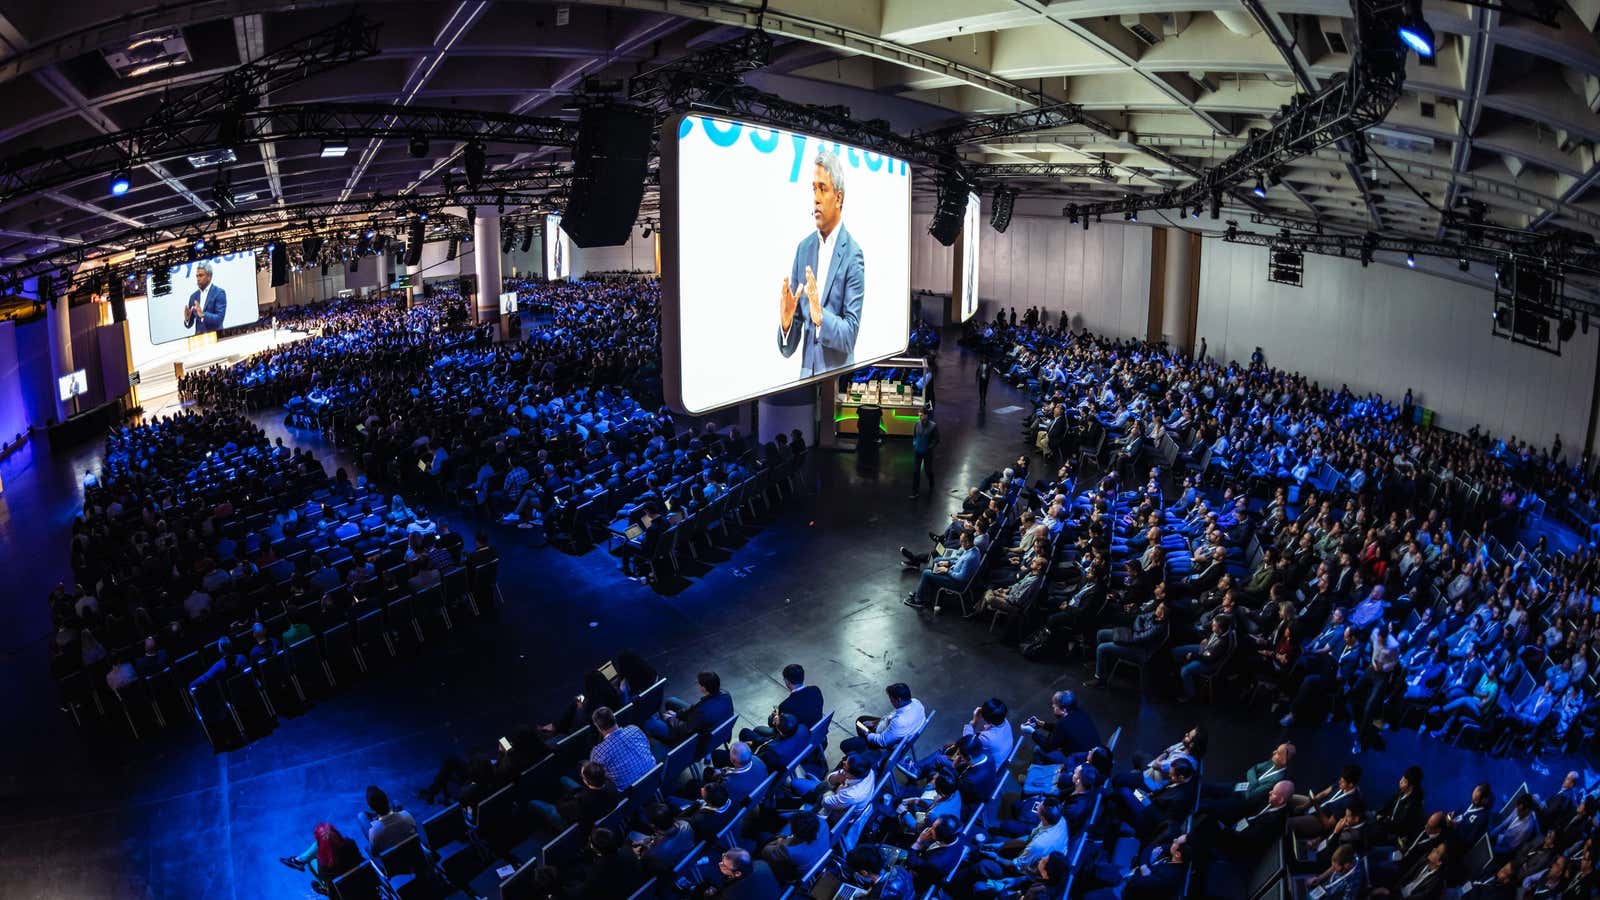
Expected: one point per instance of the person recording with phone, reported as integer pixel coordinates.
(208, 305)
(819, 307)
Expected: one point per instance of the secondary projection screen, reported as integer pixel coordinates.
(971, 227)
(205, 295)
(557, 250)
(785, 259)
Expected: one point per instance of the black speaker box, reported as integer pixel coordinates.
(608, 170)
(280, 264)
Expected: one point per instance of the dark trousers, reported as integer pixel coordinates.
(920, 463)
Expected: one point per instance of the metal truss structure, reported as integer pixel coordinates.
(985, 171)
(350, 40)
(41, 170)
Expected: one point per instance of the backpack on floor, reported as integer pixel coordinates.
(1038, 645)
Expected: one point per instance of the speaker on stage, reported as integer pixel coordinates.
(608, 169)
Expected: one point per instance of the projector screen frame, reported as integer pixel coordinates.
(671, 272)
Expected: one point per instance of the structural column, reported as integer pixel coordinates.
(1177, 309)
(783, 412)
(58, 325)
(486, 253)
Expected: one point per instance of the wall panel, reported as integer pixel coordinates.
(1385, 328)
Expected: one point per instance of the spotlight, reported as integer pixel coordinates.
(333, 148)
(647, 231)
(1463, 264)
(199, 245)
(1260, 190)
(422, 217)
(1414, 31)
(1411, 261)
(121, 181)
(418, 147)
(1072, 214)
(1196, 213)
(371, 234)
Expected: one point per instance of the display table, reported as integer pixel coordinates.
(894, 386)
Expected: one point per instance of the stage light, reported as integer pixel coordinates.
(1411, 261)
(418, 146)
(1260, 190)
(199, 245)
(334, 148)
(1463, 265)
(1414, 30)
(422, 217)
(371, 234)
(1196, 213)
(121, 181)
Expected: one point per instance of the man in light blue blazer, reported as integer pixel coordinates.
(822, 317)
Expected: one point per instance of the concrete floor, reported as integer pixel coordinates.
(820, 584)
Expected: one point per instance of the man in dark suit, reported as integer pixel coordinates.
(208, 305)
(984, 372)
(712, 812)
(1230, 801)
(1253, 834)
(747, 879)
(1472, 823)
(1389, 865)
(789, 739)
(804, 703)
(682, 720)
(829, 275)
(670, 840)
(1159, 877)
(1401, 816)
(1073, 731)
(1149, 634)
(934, 853)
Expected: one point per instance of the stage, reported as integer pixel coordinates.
(157, 390)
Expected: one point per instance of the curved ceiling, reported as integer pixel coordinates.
(1506, 113)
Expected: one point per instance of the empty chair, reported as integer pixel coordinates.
(361, 883)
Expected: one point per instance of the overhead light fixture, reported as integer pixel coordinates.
(121, 181)
(1260, 190)
(1463, 264)
(1411, 260)
(1196, 213)
(199, 245)
(371, 234)
(333, 148)
(1414, 30)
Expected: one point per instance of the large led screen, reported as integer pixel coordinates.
(204, 295)
(785, 259)
(971, 227)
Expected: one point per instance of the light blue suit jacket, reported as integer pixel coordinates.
(841, 306)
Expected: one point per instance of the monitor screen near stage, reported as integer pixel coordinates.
(972, 226)
(785, 259)
(204, 295)
(557, 250)
(72, 385)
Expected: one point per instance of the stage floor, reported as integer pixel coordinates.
(157, 390)
(820, 585)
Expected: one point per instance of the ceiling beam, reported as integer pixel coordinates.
(466, 15)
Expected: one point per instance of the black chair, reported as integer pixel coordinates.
(371, 635)
(338, 648)
(311, 673)
(216, 719)
(485, 580)
(409, 871)
(364, 882)
(447, 834)
(430, 602)
(252, 711)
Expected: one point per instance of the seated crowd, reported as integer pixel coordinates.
(1350, 596)
(628, 793)
(220, 573)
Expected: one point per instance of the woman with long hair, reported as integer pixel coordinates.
(330, 855)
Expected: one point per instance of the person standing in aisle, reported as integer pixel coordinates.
(983, 381)
(924, 437)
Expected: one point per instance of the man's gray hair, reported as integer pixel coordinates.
(829, 161)
(204, 265)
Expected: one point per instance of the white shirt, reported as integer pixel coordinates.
(898, 725)
(826, 244)
(850, 794)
